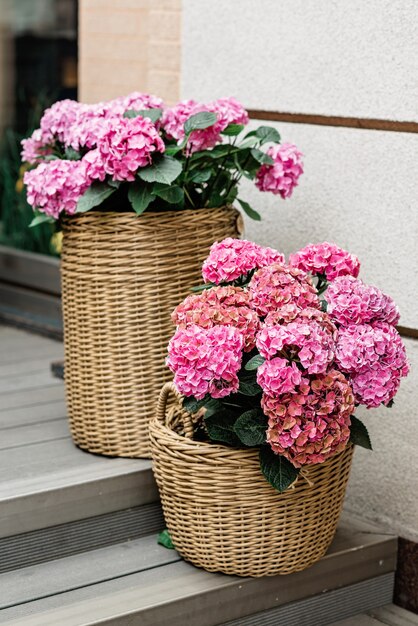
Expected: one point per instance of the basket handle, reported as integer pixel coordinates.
(163, 414)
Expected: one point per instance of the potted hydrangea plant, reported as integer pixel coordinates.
(97, 167)
(270, 362)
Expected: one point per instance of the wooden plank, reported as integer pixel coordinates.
(31, 397)
(179, 594)
(17, 337)
(393, 615)
(29, 380)
(51, 462)
(23, 353)
(25, 306)
(19, 436)
(25, 367)
(35, 414)
(58, 576)
(52, 483)
(29, 269)
(358, 620)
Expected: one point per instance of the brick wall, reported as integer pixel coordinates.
(129, 45)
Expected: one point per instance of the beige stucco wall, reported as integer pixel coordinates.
(353, 59)
(129, 45)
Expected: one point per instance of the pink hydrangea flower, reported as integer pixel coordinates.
(127, 146)
(312, 424)
(308, 342)
(206, 360)
(232, 258)
(277, 285)
(56, 120)
(326, 258)
(291, 312)
(34, 148)
(135, 101)
(277, 376)
(350, 301)
(282, 177)
(56, 186)
(226, 306)
(375, 357)
(375, 386)
(227, 110)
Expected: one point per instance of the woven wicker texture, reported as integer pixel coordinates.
(221, 512)
(122, 275)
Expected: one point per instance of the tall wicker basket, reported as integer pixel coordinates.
(221, 512)
(122, 275)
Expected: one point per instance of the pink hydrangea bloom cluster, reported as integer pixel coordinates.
(124, 148)
(281, 177)
(326, 258)
(206, 360)
(232, 258)
(312, 422)
(80, 126)
(291, 312)
(350, 301)
(277, 376)
(277, 285)
(226, 306)
(375, 359)
(309, 343)
(316, 365)
(227, 110)
(34, 148)
(56, 186)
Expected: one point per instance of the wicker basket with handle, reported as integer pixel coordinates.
(122, 275)
(222, 514)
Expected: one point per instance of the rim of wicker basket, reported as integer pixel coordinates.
(161, 427)
(149, 216)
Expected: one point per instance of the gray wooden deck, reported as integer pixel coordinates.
(78, 533)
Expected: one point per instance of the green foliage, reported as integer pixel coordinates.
(249, 210)
(15, 213)
(140, 197)
(220, 427)
(164, 539)
(277, 470)
(251, 427)
(95, 195)
(199, 121)
(164, 170)
(152, 114)
(359, 434)
(254, 362)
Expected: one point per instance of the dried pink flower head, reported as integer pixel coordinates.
(226, 306)
(326, 258)
(312, 424)
(232, 258)
(277, 285)
(56, 186)
(206, 360)
(350, 301)
(281, 177)
(291, 312)
(308, 343)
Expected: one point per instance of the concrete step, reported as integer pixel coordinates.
(139, 582)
